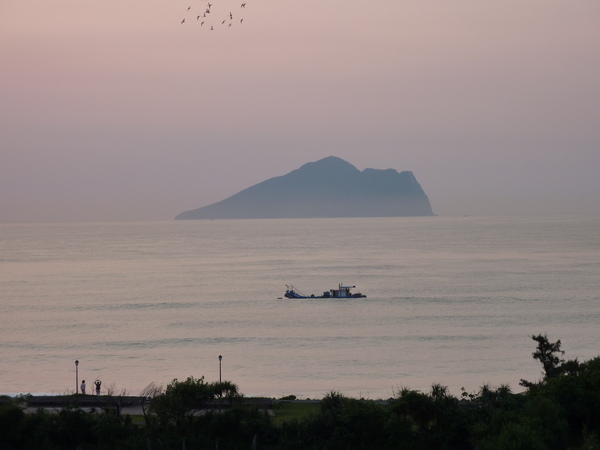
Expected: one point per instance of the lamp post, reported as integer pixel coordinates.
(220, 358)
(76, 376)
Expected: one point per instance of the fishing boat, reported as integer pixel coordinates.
(341, 292)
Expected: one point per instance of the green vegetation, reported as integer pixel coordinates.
(289, 411)
(560, 411)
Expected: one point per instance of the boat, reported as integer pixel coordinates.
(341, 292)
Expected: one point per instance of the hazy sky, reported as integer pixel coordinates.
(115, 110)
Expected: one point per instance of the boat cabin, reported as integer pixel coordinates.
(340, 292)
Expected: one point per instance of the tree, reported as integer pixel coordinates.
(579, 399)
(180, 400)
(180, 410)
(345, 422)
(548, 353)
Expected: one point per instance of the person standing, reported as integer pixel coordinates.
(98, 384)
(83, 387)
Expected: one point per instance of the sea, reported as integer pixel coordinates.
(450, 300)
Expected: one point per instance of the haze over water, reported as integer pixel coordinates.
(451, 300)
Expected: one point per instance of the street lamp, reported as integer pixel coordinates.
(76, 376)
(220, 358)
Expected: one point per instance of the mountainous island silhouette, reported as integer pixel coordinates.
(330, 187)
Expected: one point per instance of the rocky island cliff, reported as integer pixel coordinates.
(330, 187)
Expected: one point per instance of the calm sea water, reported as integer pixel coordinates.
(449, 300)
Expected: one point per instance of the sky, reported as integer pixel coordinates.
(115, 110)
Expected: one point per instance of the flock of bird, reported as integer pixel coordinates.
(205, 16)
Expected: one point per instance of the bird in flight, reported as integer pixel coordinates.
(220, 8)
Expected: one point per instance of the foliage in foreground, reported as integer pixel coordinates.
(561, 411)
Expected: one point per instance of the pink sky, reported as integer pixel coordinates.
(114, 110)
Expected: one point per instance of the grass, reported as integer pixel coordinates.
(138, 420)
(290, 411)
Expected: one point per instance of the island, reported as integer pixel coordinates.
(330, 187)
